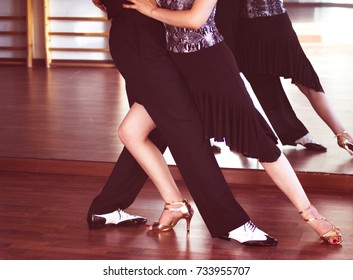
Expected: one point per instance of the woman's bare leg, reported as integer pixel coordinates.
(285, 178)
(133, 132)
(322, 107)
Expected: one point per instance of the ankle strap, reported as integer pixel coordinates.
(310, 219)
(305, 210)
(177, 205)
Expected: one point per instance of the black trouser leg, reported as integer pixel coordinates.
(273, 99)
(125, 181)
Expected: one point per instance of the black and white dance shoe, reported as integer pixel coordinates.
(117, 218)
(310, 144)
(248, 234)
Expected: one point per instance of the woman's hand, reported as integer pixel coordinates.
(99, 4)
(145, 7)
(192, 18)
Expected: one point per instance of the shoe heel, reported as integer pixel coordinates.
(186, 211)
(188, 222)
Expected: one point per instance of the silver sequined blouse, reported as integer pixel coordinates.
(262, 8)
(184, 40)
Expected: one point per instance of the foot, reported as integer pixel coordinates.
(309, 143)
(345, 141)
(167, 218)
(118, 217)
(321, 226)
(249, 234)
(171, 215)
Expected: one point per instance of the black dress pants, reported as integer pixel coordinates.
(273, 99)
(137, 46)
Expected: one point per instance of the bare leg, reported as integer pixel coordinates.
(322, 107)
(134, 132)
(285, 178)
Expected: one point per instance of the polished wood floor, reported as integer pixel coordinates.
(43, 217)
(58, 144)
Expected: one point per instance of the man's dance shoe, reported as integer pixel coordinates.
(117, 218)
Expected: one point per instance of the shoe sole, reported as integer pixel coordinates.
(259, 243)
(134, 222)
(315, 148)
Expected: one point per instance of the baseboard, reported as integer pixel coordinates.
(232, 175)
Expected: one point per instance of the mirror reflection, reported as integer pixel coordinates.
(323, 28)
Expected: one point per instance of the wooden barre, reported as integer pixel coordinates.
(13, 33)
(74, 63)
(88, 34)
(79, 18)
(12, 17)
(11, 48)
(78, 50)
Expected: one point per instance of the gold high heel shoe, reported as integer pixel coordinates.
(186, 210)
(333, 237)
(343, 140)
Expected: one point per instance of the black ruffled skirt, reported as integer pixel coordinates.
(226, 108)
(269, 45)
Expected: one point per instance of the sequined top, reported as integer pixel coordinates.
(185, 40)
(262, 8)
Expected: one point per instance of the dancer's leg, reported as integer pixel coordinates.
(323, 108)
(134, 132)
(285, 178)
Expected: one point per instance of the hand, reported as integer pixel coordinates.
(145, 7)
(99, 4)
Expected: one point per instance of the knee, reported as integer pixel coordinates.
(130, 135)
(125, 134)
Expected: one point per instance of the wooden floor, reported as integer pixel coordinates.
(58, 144)
(43, 217)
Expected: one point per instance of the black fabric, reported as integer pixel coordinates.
(228, 21)
(224, 103)
(114, 7)
(270, 93)
(269, 45)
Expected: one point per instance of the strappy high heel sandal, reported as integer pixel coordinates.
(333, 237)
(186, 210)
(344, 140)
